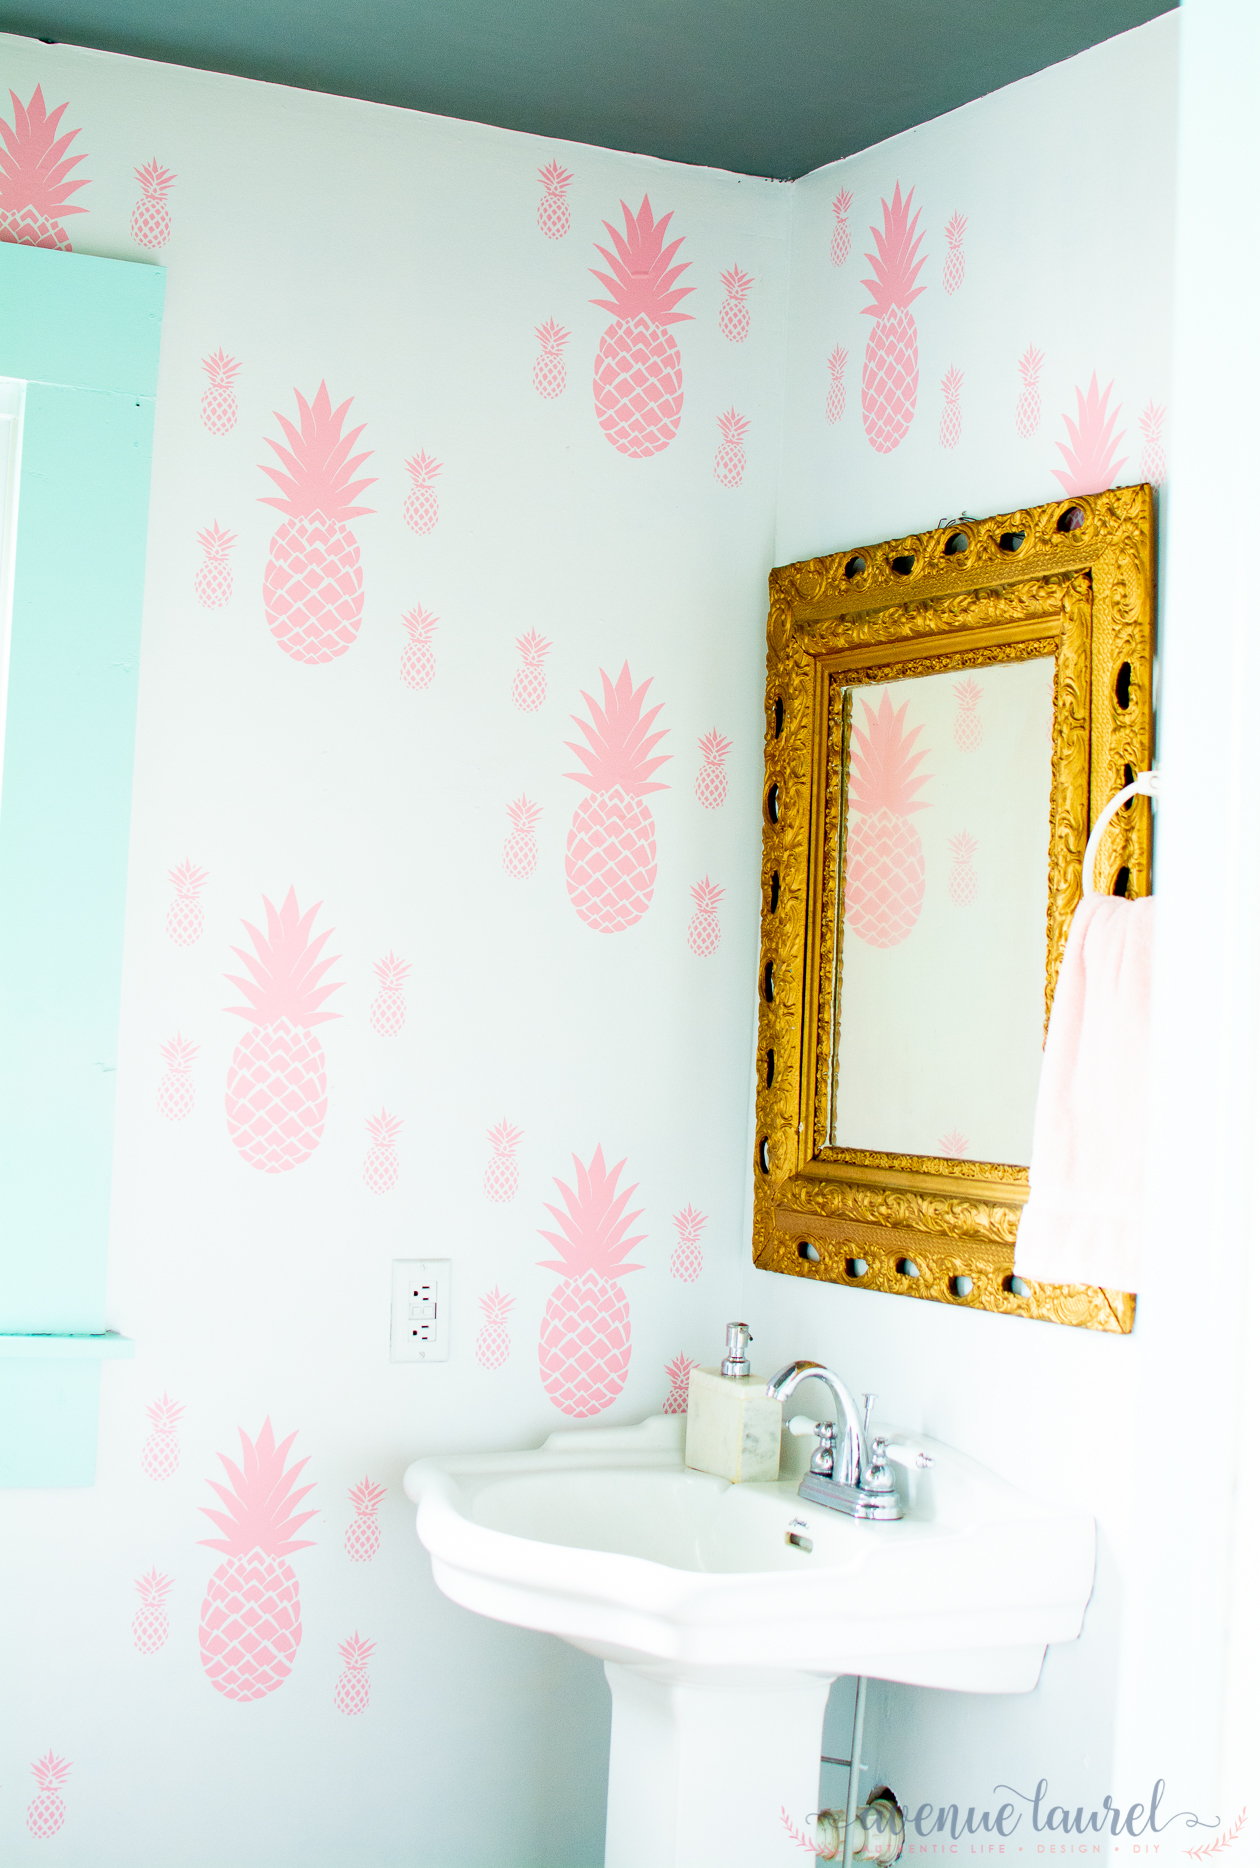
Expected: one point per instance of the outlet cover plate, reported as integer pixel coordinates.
(420, 1312)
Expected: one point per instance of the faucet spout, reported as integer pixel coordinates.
(853, 1459)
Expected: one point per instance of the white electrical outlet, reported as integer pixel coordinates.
(420, 1315)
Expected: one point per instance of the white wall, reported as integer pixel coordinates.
(1066, 181)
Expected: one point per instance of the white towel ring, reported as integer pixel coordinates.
(1145, 785)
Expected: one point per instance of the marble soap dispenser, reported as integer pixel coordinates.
(733, 1427)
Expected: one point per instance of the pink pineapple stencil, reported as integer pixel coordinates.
(177, 1092)
(1153, 465)
(553, 207)
(1089, 453)
(494, 1345)
(968, 726)
(584, 1342)
(884, 873)
(704, 930)
(502, 1177)
(638, 368)
(159, 1456)
(218, 401)
(962, 877)
(363, 1533)
(798, 1836)
(313, 584)
(841, 239)
(380, 1164)
(353, 1687)
(687, 1259)
(150, 1628)
(387, 1013)
(890, 369)
(46, 1813)
(213, 582)
(520, 852)
(729, 461)
(251, 1617)
(955, 259)
(277, 1085)
(733, 314)
(1028, 403)
(417, 669)
(610, 857)
(550, 375)
(951, 414)
(35, 166)
(185, 917)
(679, 1372)
(837, 362)
(420, 508)
(711, 778)
(151, 217)
(529, 681)
(954, 1144)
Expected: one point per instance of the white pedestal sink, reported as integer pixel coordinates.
(722, 1613)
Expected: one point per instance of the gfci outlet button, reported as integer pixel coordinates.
(420, 1311)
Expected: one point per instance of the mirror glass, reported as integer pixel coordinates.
(940, 972)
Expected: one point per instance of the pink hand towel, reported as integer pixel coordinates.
(1082, 1224)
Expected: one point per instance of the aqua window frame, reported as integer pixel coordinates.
(81, 336)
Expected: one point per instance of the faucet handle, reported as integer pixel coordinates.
(801, 1424)
(868, 1405)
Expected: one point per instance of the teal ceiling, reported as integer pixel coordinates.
(765, 87)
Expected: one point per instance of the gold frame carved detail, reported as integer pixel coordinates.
(1072, 580)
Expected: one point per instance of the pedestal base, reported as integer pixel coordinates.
(704, 1764)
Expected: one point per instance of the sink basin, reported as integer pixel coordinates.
(723, 1612)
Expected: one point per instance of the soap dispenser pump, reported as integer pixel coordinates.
(733, 1427)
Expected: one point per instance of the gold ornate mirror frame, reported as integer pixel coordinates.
(1072, 580)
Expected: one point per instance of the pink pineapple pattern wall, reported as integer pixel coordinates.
(955, 268)
(420, 508)
(185, 917)
(277, 1086)
(679, 1373)
(251, 1617)
(733, 316)
(884, 872)
(837, 363)
(729, 462)
(502, 1177)
(1090, 460)
(890, 368)
(529, 681)
(159, 1455)
(313, 584)
(520, 850)
(363, 1533)
(494, 1344)
(704, 930)
(550, 374)
(177, 1093)
(841, 239)
(151, 216)
(46, 1811)
(417, 667)
(584, 1339)
(1154, 465)
(219, 411)
(35, 174)
(353, 1690)
(610, 856)
(380, 1163)
(553, 204)
(1028, 401)
(686, 1261)
(954, 1144)
(968, 726)
(638, 368)
(711, 779)
(951, 414)
(387, 1013)
(213, 582)
(963, 883)
(150, 1626)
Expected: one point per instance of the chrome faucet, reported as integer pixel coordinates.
(859, 1482)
